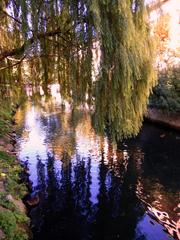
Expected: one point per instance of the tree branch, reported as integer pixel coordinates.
(8, 15)
(156, 5)
(13, 65)
(30, 41)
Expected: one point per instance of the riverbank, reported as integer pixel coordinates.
(164, 118)
(13, 216)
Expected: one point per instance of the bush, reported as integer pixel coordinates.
(9, 222)
(166, 95)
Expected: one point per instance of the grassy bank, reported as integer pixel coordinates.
(13, 219)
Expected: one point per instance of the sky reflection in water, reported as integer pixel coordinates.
(90, 188)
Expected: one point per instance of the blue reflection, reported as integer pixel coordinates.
(88, 187)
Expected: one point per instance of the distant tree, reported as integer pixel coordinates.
(166, 95)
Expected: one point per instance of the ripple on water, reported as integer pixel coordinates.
(91, 188)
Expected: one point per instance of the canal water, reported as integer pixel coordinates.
(91, 188)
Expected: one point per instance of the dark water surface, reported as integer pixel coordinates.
(90, 188)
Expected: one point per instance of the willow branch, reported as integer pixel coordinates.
(30, 41)
(8, 15)
(13, 65)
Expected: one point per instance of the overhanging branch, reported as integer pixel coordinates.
(157, 5)
(13, 65)
(20, 50)
(8, 15)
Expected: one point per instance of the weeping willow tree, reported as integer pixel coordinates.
(47, 41)
(127, 74)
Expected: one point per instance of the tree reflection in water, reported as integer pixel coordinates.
(88, 187)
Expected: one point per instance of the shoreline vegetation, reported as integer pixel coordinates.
(14, 223)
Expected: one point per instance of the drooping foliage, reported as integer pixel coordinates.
(53, 41)
(46, 41)
(127, 75)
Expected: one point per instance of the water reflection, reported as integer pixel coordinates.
(91, 188)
